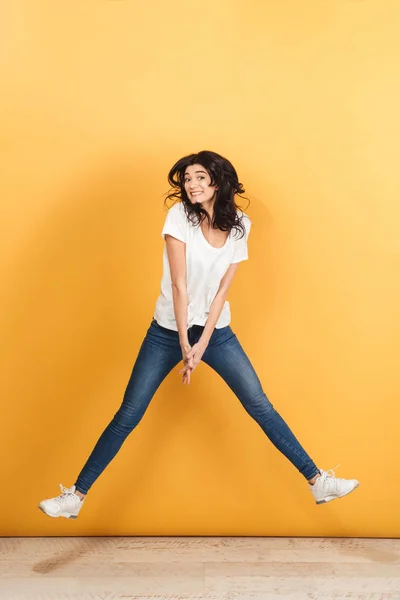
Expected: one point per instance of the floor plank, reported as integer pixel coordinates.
(308, 577)
(186, 549)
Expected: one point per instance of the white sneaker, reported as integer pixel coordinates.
(328, 487)
(67, 504)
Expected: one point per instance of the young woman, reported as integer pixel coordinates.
(205, 240)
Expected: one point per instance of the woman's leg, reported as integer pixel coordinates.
(225, 355)
(160, 352)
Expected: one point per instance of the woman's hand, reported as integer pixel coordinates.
(188, 364)
(191, 359)
(196, 353)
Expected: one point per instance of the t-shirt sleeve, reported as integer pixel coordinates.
(241, 251)
(176, 223)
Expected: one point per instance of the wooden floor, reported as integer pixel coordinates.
(199, 568)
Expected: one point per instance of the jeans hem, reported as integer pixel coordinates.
(315, 473)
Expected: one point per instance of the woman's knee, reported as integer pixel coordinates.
(125, 421)
(258, 405)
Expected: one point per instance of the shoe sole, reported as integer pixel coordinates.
(330, 498)
(66, 515)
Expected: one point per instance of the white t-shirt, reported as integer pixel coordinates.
(205, 267)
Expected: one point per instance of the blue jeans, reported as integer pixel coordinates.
(159, 354)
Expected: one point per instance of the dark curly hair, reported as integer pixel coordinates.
(223, 175)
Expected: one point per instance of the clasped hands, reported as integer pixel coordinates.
(191, 356)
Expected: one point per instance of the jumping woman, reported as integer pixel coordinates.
(206, 237)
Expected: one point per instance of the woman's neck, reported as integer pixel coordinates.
(209, 207)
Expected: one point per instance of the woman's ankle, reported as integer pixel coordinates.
(81, 496)
(314, 479)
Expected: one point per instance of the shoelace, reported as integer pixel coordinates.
(66, 493)
(330, 478)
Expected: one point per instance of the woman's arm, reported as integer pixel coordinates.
(218, 304)
(176, 251)
(195, 354)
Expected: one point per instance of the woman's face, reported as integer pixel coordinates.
(197, 185)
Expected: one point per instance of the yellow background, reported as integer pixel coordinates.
(98, 100)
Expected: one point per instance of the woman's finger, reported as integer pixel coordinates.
(187, 376)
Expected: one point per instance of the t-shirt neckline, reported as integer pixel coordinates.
(208, 243)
